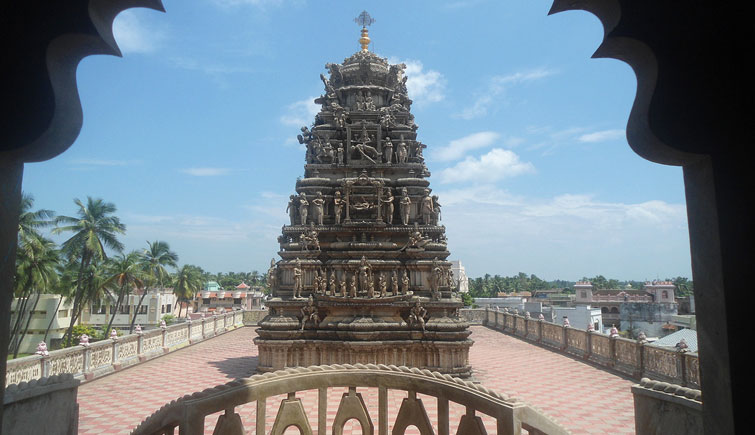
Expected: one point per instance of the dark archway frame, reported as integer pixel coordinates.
(690, 110)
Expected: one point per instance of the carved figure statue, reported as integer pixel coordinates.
(303, 208)
(436, 211)
(402, 153)
(367, 151)
(319, 204)
(338, 203)
(394, 283)
(420, 147)
(316, 283)
(309, 313)
(404, 283)
(417, 316)
(436, 279)
(387, 201)
(309, 238)
(291, 209)
(360, 101)
(329, 91)
(369, 104)
(426, 208)
(365, 275)
(405, 205)
(297, 279)
(305, 137)
(388, 150)
(383, 285)
(272, 275)
(339, 153)
(343, 284)
(353, 286)
(416, 240)
(332, 287)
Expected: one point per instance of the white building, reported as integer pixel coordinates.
(460, 275)
(46, 311)
(579, 316)
(155, 305)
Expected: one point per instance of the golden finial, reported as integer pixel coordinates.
(364, 19)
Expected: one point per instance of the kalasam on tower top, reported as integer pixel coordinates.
(363, 275)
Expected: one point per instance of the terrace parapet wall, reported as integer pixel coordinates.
(628, 357)
(106, 356)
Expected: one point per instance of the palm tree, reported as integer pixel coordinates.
(30, 221)
(37, 264)
(188, 283)
(154, 260)
(95, 229)
(125, 274)
(65, 288)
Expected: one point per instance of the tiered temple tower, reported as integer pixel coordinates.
(363, 276)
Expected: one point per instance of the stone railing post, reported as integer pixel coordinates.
(540, 330)
(116, 358)
(86, 358)
(140, 345)
(188, 331)
(565, 337)
(45, 366)
(588, 344)
(204, 323)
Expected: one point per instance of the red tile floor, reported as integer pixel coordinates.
(583, 398)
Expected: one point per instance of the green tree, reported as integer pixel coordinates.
(188, 282)
(94, 229)
(124, 274)
(155, 259)
(37, 265)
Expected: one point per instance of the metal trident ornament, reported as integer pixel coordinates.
(364, 19)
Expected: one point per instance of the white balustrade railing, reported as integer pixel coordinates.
(106, 356)
(631, 357)
(188, 413)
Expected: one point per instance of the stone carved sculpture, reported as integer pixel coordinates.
(309, 313)
(363, 153)
(332, 285)
(291, 209)
(426, 208)
(303, 208)
(319, 205)
(338, 204)
(405, 204)
(387, 201)
(310, 239)
(388, 151)
(272, 275)
(298, 279)
(417, 316)
(402, 152)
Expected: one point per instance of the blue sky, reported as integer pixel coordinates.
(192, 134)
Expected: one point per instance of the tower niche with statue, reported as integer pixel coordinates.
(363, 275)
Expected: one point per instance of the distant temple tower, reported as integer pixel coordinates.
(363, 275)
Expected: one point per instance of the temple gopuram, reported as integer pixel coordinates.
(363, 275)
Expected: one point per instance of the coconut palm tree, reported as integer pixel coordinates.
(154, 261)
(37, 267)
(29, 222)
(65, 287)
(124, 274)
(94, 229)
(188, 283)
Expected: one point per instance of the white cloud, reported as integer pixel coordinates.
(602, 136)
(257, 3)
(206, 172)
(133, 36)
(424, 86)
(301, 112)
(495, 89)
(458, 147)
(567, 236)
(495, 165)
